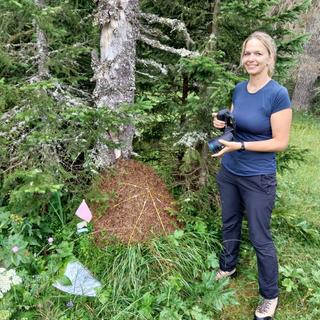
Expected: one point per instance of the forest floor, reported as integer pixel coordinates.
(299, 204)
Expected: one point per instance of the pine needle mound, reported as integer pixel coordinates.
(139, 206)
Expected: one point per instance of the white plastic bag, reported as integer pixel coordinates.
(82, 281)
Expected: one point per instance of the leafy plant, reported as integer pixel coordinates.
(292, 155)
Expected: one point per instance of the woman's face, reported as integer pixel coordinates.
(256, 58)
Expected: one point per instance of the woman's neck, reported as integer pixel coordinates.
(256, 82)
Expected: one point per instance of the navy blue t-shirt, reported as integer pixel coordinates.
(252, 112)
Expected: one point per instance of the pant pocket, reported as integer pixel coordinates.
(268, 183)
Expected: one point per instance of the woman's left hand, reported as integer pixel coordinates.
(229, 146)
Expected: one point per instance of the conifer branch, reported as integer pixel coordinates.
(157, 65)
(175, 24)
(157, 44)
(146, 74)
(153, 32)
(62, 94)
(11, 114)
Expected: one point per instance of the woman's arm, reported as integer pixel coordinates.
(280, 125)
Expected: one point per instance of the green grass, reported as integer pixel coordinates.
(299, 188)
(296, 233)
(167, 278)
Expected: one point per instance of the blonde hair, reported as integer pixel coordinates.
(270, 45)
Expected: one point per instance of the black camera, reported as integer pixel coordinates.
(228, 131)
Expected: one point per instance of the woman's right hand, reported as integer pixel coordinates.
(217, 123)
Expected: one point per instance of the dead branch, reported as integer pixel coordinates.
(174, 24)
(157, 44)
(154, 33)
(157, 65)
(146, 74)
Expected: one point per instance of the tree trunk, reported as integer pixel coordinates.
(215, 13)
(215, 9)
(42, 49)
(114, 72)
(309, 65)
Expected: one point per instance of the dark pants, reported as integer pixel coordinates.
(253, 196)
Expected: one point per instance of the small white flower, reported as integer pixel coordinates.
(7, 279)
(2, 270)
(5, 283)
(16, 280)
(50, 240)
(11, 273)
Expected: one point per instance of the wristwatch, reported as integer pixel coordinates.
(242, 148)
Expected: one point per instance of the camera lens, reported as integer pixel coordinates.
(214, 144)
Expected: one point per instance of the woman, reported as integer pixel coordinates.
(247, 178)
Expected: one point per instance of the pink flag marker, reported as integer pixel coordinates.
(83, 212)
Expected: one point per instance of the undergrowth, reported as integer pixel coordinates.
(167, 278)
(172, 277)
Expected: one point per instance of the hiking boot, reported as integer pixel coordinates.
(266, 309)
(225, 274)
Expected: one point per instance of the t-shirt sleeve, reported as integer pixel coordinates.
(281, 101)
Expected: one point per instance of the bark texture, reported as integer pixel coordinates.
(215, 7)
(114, 71)
(309, 64)
(42, 49)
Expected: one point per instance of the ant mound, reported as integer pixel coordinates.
(139, 204)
